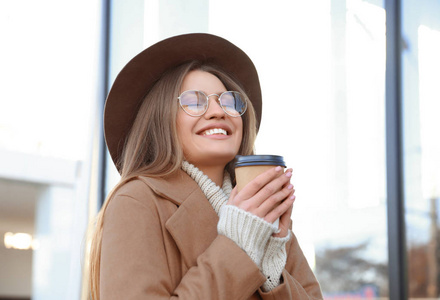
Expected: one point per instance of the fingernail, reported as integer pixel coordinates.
(289, 174)
(290, 186)
(292, 197)
(278, 168)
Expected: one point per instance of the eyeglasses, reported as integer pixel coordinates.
(195, 103)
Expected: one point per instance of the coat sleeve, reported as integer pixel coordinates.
(297, 279)
(134, 262)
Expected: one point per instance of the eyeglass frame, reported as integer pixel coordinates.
(218, 101)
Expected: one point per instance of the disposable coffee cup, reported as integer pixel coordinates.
(250, 166)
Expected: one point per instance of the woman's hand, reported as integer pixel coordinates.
(269, 196)
(285, 220)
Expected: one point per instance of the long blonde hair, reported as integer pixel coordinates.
(152, 147)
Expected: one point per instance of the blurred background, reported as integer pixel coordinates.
(322, 66)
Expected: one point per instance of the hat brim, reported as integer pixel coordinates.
(140, 73)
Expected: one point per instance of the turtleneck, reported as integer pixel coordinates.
(216, 196)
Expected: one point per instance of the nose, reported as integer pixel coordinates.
(214, 109)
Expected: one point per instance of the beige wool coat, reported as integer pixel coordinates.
(160, 241)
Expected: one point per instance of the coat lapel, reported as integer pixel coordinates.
(194, 225)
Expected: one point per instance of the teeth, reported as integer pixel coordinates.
(215, 131)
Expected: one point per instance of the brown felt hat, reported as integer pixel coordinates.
(139, 74)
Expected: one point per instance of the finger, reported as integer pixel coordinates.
(285, 221)
(259, 182)
(278, 211)
(231, 200)
(289, 170)
(286, 217)
(284, 226)
(272, 188)
(274, 200)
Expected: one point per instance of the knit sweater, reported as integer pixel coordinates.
(251, 233)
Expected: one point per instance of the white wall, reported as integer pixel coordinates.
(15, 272)
(15, 265)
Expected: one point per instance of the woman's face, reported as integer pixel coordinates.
(201, 146)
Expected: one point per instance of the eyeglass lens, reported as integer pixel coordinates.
(195, 103)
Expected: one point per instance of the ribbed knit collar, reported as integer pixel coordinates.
(216, 196)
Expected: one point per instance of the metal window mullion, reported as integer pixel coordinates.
(105, 88)
(398, 283)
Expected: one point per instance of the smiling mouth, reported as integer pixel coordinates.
(215, 131)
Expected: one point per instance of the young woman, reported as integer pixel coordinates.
(174, 227)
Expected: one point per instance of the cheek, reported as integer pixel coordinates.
(239, 127)
(184, 127)
(180, 126)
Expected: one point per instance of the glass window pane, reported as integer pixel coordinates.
(421, 107)
(322, 67)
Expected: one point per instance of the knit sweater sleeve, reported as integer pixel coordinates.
(274, 261)
(248, 231)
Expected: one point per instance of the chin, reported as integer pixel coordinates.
(222, 155)
(212, 158)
